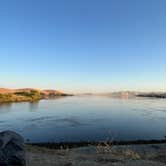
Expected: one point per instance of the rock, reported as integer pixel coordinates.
(11, 149)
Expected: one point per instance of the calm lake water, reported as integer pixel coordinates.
(86, 118)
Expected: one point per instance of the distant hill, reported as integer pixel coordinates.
(52, 92)
(152, 95)
(46, 92)
(129, 94)
(27, 94)
(4, 90)
(120, 94)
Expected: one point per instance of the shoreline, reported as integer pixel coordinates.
(63, 95)
(28, 95)
(33, 95)
(54, 145)
(33, 101)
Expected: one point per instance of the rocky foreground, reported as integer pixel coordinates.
(121, 155)
(13, 152)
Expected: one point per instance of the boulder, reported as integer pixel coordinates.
(11, 149)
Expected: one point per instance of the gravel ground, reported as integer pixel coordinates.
(124, 155)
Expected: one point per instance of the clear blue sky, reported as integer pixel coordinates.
(83, 45)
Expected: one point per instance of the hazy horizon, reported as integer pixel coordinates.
(83, 46)
(91, 90)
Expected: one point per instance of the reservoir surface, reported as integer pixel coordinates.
(86, 118)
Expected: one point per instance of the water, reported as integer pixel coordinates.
(86, 118)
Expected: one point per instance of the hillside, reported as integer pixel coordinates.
(4, 90)
(27, 94)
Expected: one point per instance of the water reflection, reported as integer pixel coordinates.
(57, 97)
(33, 106)
(5, 107)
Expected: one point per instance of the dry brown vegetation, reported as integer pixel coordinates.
(126, 155)
(27, 94)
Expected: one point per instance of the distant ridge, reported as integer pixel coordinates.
(28, 94)
(5, 90)
(46, 92)
(129, 94)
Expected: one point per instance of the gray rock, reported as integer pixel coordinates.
(11, 149)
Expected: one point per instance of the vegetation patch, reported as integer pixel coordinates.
(20, 96)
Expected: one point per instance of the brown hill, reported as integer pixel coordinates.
(27, 94)
(5, 90)
(48, 92)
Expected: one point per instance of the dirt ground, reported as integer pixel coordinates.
(124, 155)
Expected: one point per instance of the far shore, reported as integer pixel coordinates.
(32, 95)
(57, 145)
(28, 95)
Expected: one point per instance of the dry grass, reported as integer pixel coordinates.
(131, 154)
(104, 147)
(106, 155)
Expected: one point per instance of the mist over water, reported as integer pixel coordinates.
(86, 118)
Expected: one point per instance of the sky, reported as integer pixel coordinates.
(83, 45)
